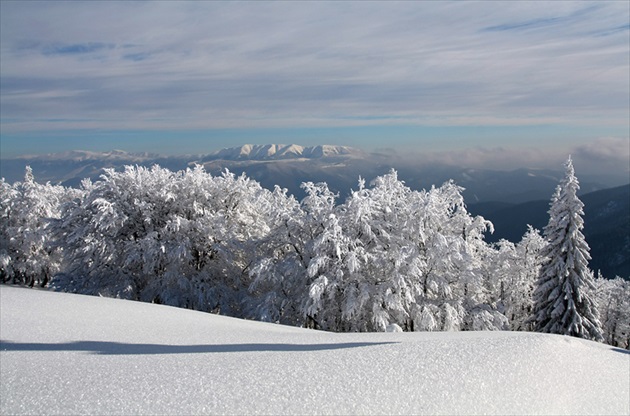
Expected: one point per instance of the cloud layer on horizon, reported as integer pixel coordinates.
(607, 155)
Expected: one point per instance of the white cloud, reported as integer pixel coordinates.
(603, 156)
(500, 158)
(605, 148)
(608, 154)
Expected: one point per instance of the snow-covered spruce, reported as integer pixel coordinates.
(563, 299)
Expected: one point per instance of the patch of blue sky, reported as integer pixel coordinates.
(136, 57)
(535, 23)
(542, 22)
(613, 30)
(76, 49)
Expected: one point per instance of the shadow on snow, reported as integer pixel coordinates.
(119, 348)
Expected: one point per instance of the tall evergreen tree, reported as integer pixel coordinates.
(563, 298)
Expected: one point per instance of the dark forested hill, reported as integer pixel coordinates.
(606, 225)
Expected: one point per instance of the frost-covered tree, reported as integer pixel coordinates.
(452, 295)
(26, 253)
(184, 238)
(384, 265)
(366, 266)
(291, 278)
(112, 237)
(513, 270)
(7, 197)
(613, 299)
(563, 299)
(389, 255)
(280, 282)
(520, 289)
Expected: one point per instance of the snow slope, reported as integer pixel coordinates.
(73, 354)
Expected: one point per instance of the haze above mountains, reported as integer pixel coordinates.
(510, 199)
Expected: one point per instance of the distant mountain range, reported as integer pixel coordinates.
(290, 165)
(283, 152)
(510, 199)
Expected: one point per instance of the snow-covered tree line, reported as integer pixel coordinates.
(387, 257)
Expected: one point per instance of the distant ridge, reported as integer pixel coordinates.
(244, 152)
(282, 151)
(288, 165)
(85, 155)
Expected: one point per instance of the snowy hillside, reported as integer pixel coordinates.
(74, 354)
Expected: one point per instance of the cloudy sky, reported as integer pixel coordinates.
(476, 80)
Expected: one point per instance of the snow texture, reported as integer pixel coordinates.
(74, 354)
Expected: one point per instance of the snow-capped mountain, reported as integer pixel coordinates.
(282, 152)
(290, 165)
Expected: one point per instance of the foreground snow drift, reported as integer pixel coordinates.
(71, 354)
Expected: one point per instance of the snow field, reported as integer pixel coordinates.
(73, 354)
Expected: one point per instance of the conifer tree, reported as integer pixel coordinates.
(563, 298)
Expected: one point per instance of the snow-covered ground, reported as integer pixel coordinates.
(74, 354)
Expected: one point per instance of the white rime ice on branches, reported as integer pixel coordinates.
(184, 239)
(26, 253)
(512, 271)
(386, 258)
(388, 255)
(564, 296)
(613, 299)
(280, 278)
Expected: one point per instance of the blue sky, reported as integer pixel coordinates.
(453, 79)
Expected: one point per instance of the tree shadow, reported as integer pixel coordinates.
(119, 348)
(621, 350)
